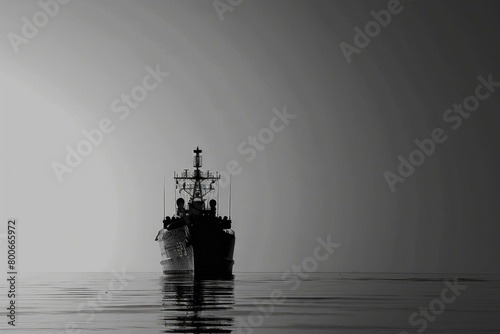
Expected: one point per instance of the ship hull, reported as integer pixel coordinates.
(203, 252)
(176, 256)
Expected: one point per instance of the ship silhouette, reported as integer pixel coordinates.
(195, 240)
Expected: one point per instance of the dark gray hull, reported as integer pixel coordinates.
(198, 250)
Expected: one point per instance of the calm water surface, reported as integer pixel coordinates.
(253, 303)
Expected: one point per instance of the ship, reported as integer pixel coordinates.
(196, 240)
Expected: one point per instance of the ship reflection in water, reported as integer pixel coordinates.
(197, 306)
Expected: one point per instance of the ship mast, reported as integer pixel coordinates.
(196, 184)
(197, 173)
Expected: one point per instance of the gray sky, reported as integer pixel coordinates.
(323, 174)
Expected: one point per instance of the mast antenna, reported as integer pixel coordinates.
(164, 195)
(217, 208)
(229, 196)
